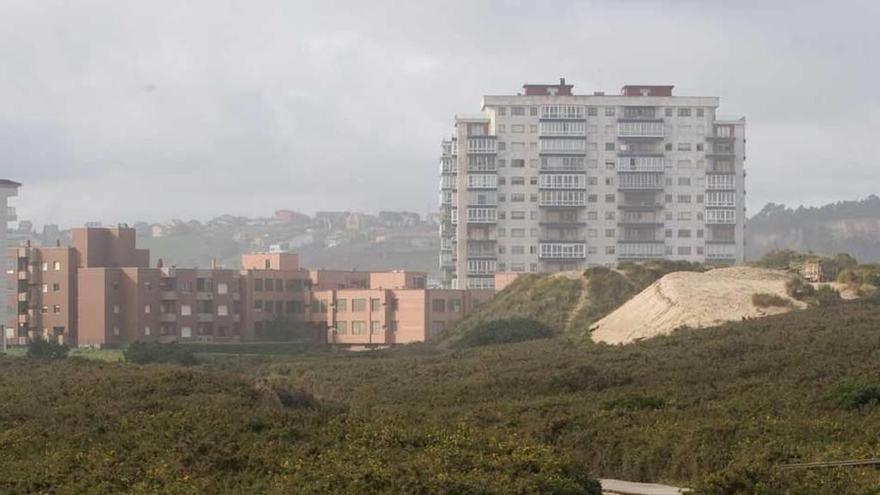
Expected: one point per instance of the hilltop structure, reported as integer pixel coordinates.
(547, 180)
(102, 291)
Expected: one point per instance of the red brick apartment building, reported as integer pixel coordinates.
(102, 292)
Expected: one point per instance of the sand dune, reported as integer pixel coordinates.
(694, 300)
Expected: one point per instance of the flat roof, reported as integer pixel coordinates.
(7, 182)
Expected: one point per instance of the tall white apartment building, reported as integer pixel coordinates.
(8, 189)
(546, 181)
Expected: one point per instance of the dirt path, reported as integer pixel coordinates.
(618, 487)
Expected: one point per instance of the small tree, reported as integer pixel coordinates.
(46, 349)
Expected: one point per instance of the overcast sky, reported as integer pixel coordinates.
(149, 110)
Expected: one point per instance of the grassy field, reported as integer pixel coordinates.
(716, 409)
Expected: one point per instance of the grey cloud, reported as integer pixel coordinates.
(124, 110)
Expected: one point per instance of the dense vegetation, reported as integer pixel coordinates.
(154, 352)
(86, 427)
(504, 332)
(715, 408)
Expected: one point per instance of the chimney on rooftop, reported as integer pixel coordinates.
(562, 81)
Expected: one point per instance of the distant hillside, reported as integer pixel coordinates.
(845, 227)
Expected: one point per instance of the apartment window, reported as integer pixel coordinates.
(56, 287)
(699, 146)
(685, 233)
(359, 305)
(609, 233)
(502, 146)
(609, 215)
(700, 112)
(517, 232)
(610, 164)
(610, 111)
(517, 163)
(358, 327)
(592, 111)
(116, 331)
(700, 198)
(684, 250)
(258, 305)
(517, 111)
(57, 266)
(517, 181)
(592, 215)
(668, 233)
(684, 216)
(684, 198)
(518, 215)
(375, 327)
(342, 305)
(518, 128)
(148, 308)
(454, 306)
(45, 288)
(684, 112)
(667, 111)
(45, 266)
(438, 305)
(341, 327)
(533, 129)
(609, 198)
(44, 309)
(533, 181)
(533, 197)
(609, 147)
(518, 197)
(56, 308)
(392, 326)
(668, 198)
(668, 147)
(684, 181)
(500, 129)
(609, 250)
(609, 181)
(592, 233)
(116, 308)
(518, 250)
(700, 233)
(186, 309)
(592, 181)
(147, 331)
(533, 111)
(684, 146)
(258, 285)
(222, 310)
(501, 111)
(502, 181)
(501, 162)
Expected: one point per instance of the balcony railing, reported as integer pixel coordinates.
(646, 129)
(640, 251)
(721, 217)
(640, 181)
(481, 145)
(640, 164)
(562, 250)
(482, 215)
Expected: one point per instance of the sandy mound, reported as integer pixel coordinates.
(695, 300)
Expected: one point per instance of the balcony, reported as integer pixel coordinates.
(482, 215)
(560, 222)
(168, 317)
(640, 251)
(640, 206)
(640, 129)
(205, 317)
(721, 183)
(721, 217)
(23, 297)
(640, 181)
(11, 214)
(562, 250)
(561, 146)
(562, 199)
(167, 295)
(481, 145)
(721, 252)
(22, 275)
(204, 296)
(641, 164)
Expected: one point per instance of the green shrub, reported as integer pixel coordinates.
(154, 352)
(505, 332)
(827, 296)
(634, 403)
(46, 349)
(857, 395)
(798, 289)
(765, 300)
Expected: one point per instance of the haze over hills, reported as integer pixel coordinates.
(844, 227)
(407, 240)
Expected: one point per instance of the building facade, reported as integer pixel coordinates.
(547, 180)
(8, 189)
(102, 291)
